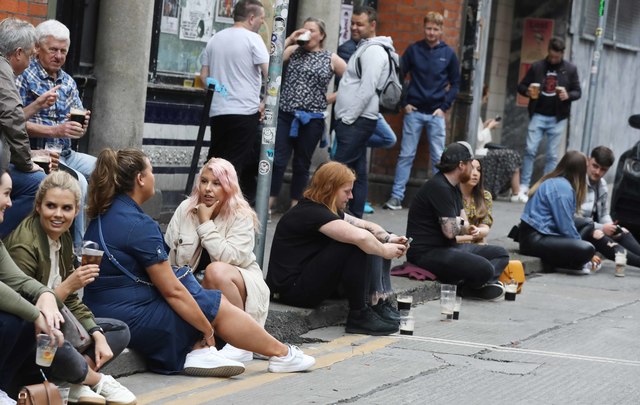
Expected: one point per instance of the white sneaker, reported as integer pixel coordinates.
(293, 362)
(208, 362)
(519, 198)
(233, 353)
(5, 399)
(82, 394)
(114, 392)
(585, 270)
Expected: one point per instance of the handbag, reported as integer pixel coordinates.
(73, 331)
(515, 271)
(44, 393)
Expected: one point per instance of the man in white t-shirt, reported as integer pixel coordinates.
(235, 60)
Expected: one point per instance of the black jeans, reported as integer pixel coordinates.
(338, 264)
(70, 365)
(302, 147)
(467, 263)
(609, 246)
(556, 251)
(17, 344)
(232, 138)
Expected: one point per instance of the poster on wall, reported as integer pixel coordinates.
(224, 11)
(345, 23)
(170, 14)
(196, 23)
(536, 33)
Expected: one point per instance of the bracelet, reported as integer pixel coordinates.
(210, 337)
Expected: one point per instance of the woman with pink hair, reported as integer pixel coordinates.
(213, 231)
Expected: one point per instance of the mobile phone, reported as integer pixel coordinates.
(498, 118)
(409, 240)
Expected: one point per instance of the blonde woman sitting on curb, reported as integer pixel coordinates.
(213, 231)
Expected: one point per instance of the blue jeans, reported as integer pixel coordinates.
(23, 194)
(411, 132)
(539, 126)
(302, 147)
(83, 165)
(383, 137)
(352, 151)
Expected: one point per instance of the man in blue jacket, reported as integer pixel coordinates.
(435, 79)
(555, 85)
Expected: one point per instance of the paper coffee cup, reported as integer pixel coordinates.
(304, 38)
(534, 90)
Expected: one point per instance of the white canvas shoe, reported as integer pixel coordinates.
(208, 362)
(233, 353)
(293, 362)
(83, 394)
(114, 392)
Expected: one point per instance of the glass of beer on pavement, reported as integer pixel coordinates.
(91, 253)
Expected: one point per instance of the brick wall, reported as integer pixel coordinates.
(34, 11)
(402, 20)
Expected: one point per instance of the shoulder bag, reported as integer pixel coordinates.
(73, 331)
(44, 393)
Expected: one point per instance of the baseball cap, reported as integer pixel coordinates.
(456, 152)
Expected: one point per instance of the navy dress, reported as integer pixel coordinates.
(157, 332)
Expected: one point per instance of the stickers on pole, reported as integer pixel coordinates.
(264, 167)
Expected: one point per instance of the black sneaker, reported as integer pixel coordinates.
(386, 311)
(488, 292)
(367, 322)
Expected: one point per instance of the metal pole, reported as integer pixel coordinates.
(265, 166)
(204, 120)
(595, 74)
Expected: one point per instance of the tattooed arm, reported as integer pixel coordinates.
(346, 232)
(376, 230)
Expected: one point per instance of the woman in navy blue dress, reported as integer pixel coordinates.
(172, 319)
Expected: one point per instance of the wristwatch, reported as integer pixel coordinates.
(96, 329)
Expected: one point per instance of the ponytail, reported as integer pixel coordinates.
(115, 173)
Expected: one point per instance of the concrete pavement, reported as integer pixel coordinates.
(565, 340)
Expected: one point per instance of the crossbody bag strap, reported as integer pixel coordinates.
(114, 261)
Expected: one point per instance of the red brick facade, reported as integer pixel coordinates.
(402, 20)
(34, 11)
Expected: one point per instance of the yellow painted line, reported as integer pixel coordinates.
(198, 382)
(260, 379)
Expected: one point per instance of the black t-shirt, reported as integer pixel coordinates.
(436, 199)
(546, 104)
(297, 239)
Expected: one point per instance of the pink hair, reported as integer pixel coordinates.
(235, 204)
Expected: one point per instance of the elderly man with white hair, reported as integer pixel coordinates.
(43, 74)
(17, 41)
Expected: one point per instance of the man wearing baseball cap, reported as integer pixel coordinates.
(437, 216)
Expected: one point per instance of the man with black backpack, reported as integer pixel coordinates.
(435, 79)
(357, 102)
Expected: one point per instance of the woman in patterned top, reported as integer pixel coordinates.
(303, 104)
(478, 205)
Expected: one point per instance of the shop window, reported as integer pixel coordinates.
(181, 31)
(622, 28)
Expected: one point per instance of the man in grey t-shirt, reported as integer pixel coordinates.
(235, 60)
